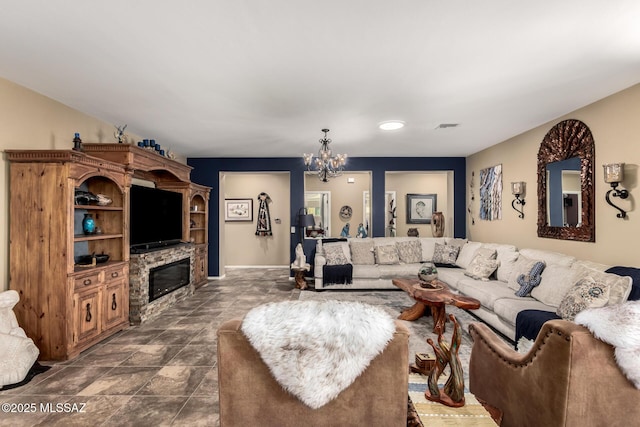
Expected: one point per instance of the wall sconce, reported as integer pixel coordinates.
(518, 189)
(614, 175)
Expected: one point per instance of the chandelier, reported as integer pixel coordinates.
(326, 166)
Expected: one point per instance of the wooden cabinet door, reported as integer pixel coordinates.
(115, 303)
(87, 314)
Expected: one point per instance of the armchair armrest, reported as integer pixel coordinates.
(318, 262)
(561, 381)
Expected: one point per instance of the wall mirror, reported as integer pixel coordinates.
(566, 201)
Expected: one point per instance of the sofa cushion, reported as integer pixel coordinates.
(366, 271)
(619, 286)
(507, 255)
(548, 257)
(409, 252)
(391, 271)
(522, 266)
(467, 253)
(485, 292)
(529, 281)
(587, 293)
(445, 254)
(386, 254)
(429, 246)
(507, 309)
(335, 255)
(451, 276)
(362, 252)
(556, 282)
(481, 267)
(632, 272)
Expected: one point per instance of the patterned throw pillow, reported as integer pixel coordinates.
(587, 293)
(445, 254)
(387, 254)
(480, 267)
(362, 253)
(409, 252)
(529, 281)
(335, 255)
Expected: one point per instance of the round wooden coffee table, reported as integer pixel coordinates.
(436, 297)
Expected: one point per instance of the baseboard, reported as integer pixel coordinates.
(254, 266)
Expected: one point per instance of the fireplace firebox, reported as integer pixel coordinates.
(168, 277)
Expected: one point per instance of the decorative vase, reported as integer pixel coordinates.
(428, 272)
(437, 224)
(88, 224)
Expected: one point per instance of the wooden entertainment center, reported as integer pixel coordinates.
(66, 307)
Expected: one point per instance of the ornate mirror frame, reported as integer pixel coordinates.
(567, 139)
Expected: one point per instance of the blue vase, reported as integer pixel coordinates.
(88, 224)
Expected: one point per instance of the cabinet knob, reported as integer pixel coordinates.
(88, 317)
(87, 282)
(114, 274)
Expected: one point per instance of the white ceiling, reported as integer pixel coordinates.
(258, 78)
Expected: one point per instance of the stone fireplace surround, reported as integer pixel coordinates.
(140, 309)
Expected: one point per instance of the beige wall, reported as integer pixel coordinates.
(241, 247)
(343, 194)
(404, 183)
(615, 127)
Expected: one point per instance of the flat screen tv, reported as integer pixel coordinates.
(155, 217)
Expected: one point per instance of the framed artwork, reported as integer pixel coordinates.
(420, 207)
(491, 193)
(238, 210)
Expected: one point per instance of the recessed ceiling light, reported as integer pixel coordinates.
(391, 125)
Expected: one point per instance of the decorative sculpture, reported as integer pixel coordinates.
(119, 134)
(452, 394)
(362, 232)
(345, 231)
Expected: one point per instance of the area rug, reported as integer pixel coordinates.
(432, 414)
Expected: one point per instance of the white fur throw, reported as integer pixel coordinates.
(618, 325)
(316, 349)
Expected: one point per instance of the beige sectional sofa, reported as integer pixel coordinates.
(374, 266)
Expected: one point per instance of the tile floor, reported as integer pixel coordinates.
(162, 373)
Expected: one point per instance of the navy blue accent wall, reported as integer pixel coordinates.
(206, 171)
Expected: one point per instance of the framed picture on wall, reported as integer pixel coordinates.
(420, 208)
(238, 210)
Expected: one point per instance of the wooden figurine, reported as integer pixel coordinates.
(452, 394)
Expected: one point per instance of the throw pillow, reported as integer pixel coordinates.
(343, 245)
(556, 282)
(467, 253)
(522, 266)
(619, 286)
(587, 293)
(387, 254)
(445, 254)
(410, 252)
(334, 255)
(529, 281)
(362, 253)
(481, 268)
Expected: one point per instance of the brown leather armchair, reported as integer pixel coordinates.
(250, 396)
(568, 378)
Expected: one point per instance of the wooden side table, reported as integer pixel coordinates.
(301, 282)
